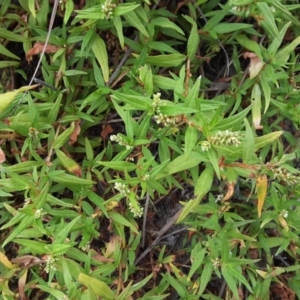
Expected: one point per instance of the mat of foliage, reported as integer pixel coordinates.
(154, 151)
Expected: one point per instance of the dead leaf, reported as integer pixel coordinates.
(21, 284)
(114, 243)
(2, 156)
(28, 260)
(38, 48)
(102, 258)
(255, 63)
(106, 130)
(75, 133)
(230, 191)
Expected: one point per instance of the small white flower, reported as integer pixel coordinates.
(50, 264)
(122, 188)
(39, 213)
(205, 145)
(145, 177)
(284, 213)
(137, 211)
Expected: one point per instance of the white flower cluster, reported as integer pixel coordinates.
(120, 140)
(159, 117)
(216, 263)
(222, 138)
(145, 177)
(283, 174)
(137, 211)
(107, 8)
(284, 214)
(122, 189)
(86, 247)
(50, 264)
(165, 120)
(39, 213)
(205, 145)
(225, 138)
(33, 133)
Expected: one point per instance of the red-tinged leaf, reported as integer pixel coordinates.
(261, 190)
(21, 284)
(38, 48)
(2, 156)
(75, 133)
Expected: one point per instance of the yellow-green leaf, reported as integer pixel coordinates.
(99, 287)
(261, 190)
(5, 261)
(256, 106)
(7, 98)
(168, 60)
(68, 163)
(100, 52)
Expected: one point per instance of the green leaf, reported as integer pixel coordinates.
(231, 282)
(74, 72)
(193, 40)
(248, 143)
(41, 199)
(121, 220)
(68, 163)
(61, 140)
(166, 60)
(70, 179)
(197, 257)
(256, 106)
(182, 163)
(192, 97)
(124, 8)
(7, 53)
(10, 36)
(99, 287)
(31, 7)
(163, 82)
(232, 121)
(176, 109)
(124, 166)
(265, 85)
(132, 18)
(8, 63)
(202, 187)
(69, 10)
(100, 52)
(24, 167)
(7, 98)
(119, 28)
(264, 140)
(213, 158)
(137, 102)
(24, 224)
(52, 291)
(277, 41)
(253, 46)
(205, 277)
(230, 27)
(166, 23)
(283, 55)
(268, 22)
(190, 140)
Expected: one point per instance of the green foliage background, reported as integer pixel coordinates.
(194, 104)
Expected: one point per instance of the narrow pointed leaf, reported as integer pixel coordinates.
(261, 190)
